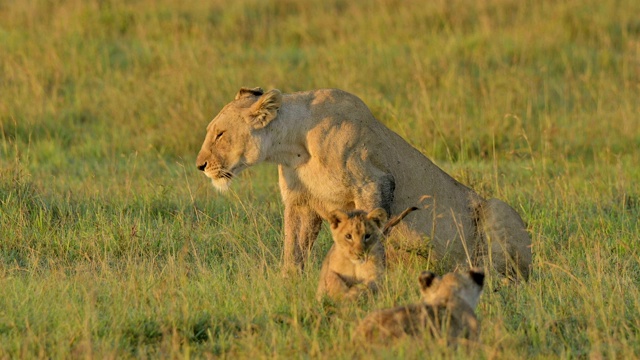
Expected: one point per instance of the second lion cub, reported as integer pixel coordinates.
(447, 310)
(356, 261)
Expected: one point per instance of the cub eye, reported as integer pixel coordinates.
(348, 236)
(218, 135)
(367, 236)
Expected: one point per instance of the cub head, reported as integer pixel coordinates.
(236, 137)
(355, 232)
(453, 287)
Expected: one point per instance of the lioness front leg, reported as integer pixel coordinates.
(301, 223)
(301, 227)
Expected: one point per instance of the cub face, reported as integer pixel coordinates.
(356, 232)
(236, 137)
(440, 290)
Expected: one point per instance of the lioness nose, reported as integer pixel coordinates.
(201, 167)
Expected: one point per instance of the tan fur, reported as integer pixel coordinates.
(356, 261)
(333, 154)
(447, 310)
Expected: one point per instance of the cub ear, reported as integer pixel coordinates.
(426, 279)
(378, 216)
(266, 108)
(477, 276)
(246, 92)
(336, 217)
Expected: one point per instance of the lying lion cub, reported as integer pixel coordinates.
(356, 261)
(446, 310)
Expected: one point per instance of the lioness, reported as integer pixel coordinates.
(332, 153)
(356, 261)
(446, 310)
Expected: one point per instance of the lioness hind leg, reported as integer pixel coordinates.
(506, 238)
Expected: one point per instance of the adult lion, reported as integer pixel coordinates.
(332, 153)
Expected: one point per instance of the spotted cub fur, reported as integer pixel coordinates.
(447, 310)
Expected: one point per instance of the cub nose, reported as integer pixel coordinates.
(201, 167)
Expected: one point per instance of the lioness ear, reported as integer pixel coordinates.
(336, 217)
(477, 276)
(378, 216)
(246, 92)
(426, 279)
(266, 108)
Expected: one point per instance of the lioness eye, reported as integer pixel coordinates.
(348, 236)
(219, 135)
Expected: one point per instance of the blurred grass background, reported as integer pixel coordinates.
(112, 244)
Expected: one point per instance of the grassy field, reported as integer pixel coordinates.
(113, 245)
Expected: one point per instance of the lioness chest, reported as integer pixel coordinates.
(327, 190)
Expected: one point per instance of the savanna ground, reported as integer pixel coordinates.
(112, 244)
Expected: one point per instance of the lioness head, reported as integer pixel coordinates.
(441, 290)
(355, 232)
(236, 137)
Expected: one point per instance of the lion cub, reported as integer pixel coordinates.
(356, 261)
(446, 310)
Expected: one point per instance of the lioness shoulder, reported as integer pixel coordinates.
(447, 310)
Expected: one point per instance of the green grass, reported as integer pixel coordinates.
(113, 245)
